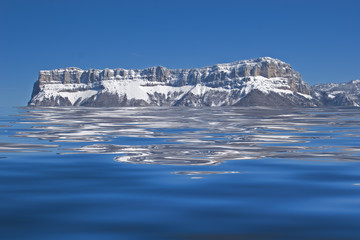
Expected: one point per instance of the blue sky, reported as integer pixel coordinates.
(320, 39)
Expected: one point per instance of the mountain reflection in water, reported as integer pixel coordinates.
(196, 136)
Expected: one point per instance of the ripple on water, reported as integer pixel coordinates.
(206, 136)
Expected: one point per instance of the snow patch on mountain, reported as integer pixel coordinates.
(71, 92)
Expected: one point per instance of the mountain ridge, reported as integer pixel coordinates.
(260, 81)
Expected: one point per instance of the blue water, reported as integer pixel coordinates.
(179, 173)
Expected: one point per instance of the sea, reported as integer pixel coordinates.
(180, 173)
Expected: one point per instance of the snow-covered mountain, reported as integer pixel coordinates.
(337, 94)
(262, 81)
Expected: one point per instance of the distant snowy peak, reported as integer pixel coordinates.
(355, 81)
(273, 81)
(338, 94)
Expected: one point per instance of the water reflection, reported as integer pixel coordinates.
(14, 147)
(191, 136)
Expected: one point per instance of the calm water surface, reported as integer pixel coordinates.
(179, 173)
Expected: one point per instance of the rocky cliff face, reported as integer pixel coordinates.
(261, 81)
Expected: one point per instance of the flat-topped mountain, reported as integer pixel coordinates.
(256, 82)
(261, 81)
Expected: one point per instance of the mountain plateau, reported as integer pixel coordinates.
(256, 82)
